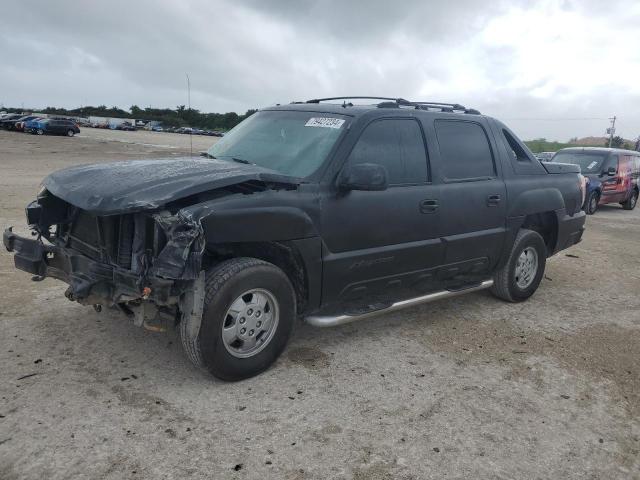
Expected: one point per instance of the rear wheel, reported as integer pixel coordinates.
(249, 313)
(591, 205)
(520, 277)
(70, 133)
(631, 203)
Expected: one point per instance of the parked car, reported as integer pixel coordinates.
(327, 211)
(545, 156)
(8, 121)
(157, 128)
(29, 125)
(126, 126)
(55, 127)
(612, 175)
(19, 125)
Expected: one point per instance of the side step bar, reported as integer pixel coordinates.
(333, 320)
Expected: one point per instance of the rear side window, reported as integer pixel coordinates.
(464, 150)
(516, 150)
(398, 145)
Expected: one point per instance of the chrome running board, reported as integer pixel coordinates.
(333, 320)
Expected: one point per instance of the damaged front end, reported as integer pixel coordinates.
(144, 263)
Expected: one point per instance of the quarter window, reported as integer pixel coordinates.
(396, 144)
(517, 152)
(465, 152)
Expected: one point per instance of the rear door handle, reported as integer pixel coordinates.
(493, 200)
(428, 206)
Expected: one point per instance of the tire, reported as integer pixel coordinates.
(226, 285)
(39, 132)
(632, 201)
(70, 133)
(506, 284)
(591, 205)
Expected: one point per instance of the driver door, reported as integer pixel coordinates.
(381, 245)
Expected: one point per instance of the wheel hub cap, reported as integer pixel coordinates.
(526, 267)
(250, 323)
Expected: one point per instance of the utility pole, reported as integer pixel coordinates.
(611, 130)
(189, 107)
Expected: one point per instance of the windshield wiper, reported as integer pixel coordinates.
(240, 160)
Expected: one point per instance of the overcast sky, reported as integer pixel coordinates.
(553, 69)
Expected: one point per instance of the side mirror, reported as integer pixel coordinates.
(363, 176)
(612, 171)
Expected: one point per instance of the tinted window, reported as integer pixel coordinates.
(464, 150)
(589, 161)
(517, 152)
(396, 144)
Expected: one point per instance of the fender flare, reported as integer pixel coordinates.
(536, 201)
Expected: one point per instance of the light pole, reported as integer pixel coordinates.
(189, 110)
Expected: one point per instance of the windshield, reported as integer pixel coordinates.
(589, 162)
(293, 143)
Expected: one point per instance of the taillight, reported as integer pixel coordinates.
(582, 183)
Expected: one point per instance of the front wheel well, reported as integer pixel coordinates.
(281, 254)
(546, 224)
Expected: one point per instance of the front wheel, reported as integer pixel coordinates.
(630, 204)
(520, 277)
(40, 131)
(248, 317)
(591, 205)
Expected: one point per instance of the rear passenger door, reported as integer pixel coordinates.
(54, 126)
(473, 203)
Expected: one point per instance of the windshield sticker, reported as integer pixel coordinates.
(591, 165)
(324, 122)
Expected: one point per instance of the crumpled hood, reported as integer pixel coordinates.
(112, 188)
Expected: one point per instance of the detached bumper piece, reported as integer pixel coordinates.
(90, 282)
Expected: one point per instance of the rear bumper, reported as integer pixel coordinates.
(570, 229)
(90, 281)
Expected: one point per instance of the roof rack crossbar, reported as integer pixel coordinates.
(395, 99)
(455, 106)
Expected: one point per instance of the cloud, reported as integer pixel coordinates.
(537, 63)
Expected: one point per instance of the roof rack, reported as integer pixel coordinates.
(396, 102)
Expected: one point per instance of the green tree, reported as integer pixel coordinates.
(136, 111)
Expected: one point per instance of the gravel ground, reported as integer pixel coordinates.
(467, 388)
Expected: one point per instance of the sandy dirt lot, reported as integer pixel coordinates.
(469, 388)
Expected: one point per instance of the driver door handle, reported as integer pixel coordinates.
(493, 200)
(429, 206)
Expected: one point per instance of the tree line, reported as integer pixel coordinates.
(178, 117)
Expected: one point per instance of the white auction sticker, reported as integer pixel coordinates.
(325, 122)
(591, 165)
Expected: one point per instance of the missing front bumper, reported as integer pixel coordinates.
(90, 282)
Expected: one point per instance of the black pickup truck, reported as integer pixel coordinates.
(322, 210)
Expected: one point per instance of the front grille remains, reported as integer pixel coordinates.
(106, 239)
(85, 235)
